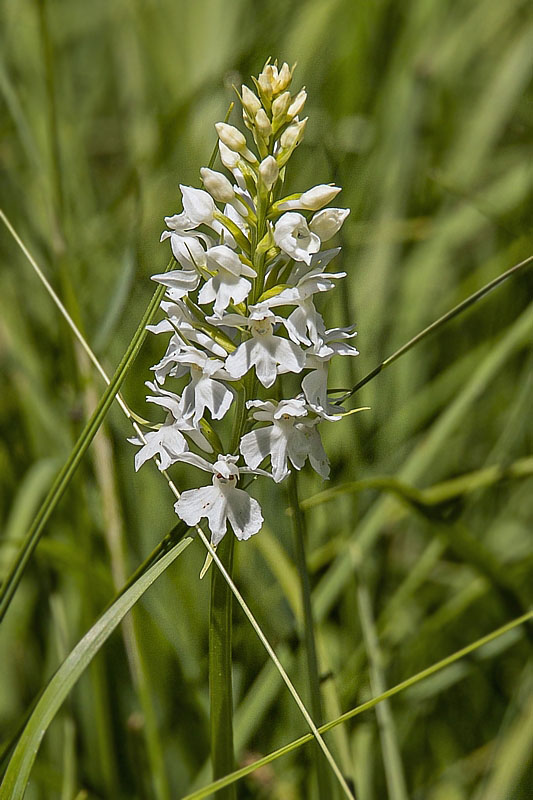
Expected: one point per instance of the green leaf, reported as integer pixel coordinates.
(18, 771)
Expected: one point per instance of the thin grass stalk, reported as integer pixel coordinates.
(454, 312)
(392, 761)
(313, 679)
(65, 475)
(206, 791)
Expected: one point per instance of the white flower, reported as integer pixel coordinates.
(198, 205)
(328, 222)
(315, 383)
(167, 442)
(180, 319)
(292, 235)
(228, 284)
(204, 391)
(222, 502)
(312, 199)
(305, 318)
(186, 248)
(173, 403)
(190, 254)
(313, 447)
(281, 440)
(268, 353)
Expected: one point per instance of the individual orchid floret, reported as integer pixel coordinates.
(228, 284)
(205, 389)
(217, 185)
(268, 353)
(234, 140)
(292, 136)
(297, 104)
(292, 235)
(315, 383)
(222, 502)
(281, 440)
(167, 442)
(328, 222)
(312, 199)
(269, 171)
(250, 102)
(180, 322)
(305, 325)
(198, 205)
(190, 254)
(312, 445)
(173, 404)
(263, 124)
(280, 107)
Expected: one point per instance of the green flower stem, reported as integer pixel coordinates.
(9, 586)
(220, 678)
(300, 535)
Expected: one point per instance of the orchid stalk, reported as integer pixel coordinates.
(240, 310)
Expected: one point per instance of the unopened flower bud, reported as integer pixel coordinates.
(234, 139)
(318, 196)
(250, 102)
(282, 79)
(293, 135)
(281, 104)
(217, 185)
(297, 104)
(269, 171)
(229, 158)
(262, 124)
(328, 222)
(266, 80)
(231, 136)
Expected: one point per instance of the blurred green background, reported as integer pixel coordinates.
(422, 112)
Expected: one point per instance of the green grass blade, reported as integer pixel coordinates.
(18, 771)
(64, 477)
(296, 743)
(392, 761)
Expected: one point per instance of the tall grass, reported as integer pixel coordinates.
(422, 112)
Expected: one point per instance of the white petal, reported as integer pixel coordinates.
(213, 395)
(196, 461)
(239, 362)
(198, 205)
(244, 513)
(256, 446)
(207, 501)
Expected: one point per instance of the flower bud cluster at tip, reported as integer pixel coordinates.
(240, 311)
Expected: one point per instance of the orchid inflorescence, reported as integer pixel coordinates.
(241, 313)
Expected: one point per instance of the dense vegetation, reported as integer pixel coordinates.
(422, 112)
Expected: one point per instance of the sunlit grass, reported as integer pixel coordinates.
(422, 113)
